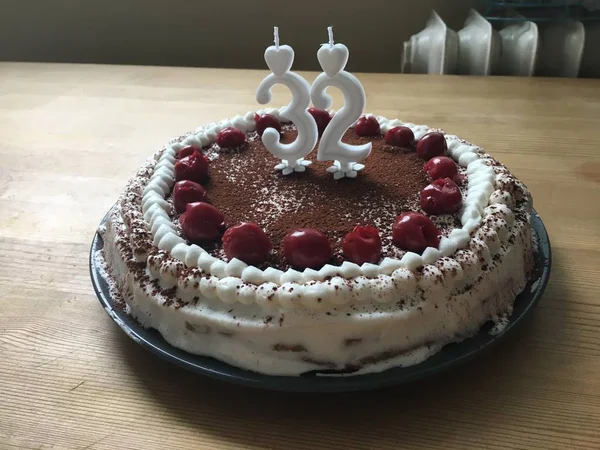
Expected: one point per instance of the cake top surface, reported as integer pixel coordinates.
(244, 186)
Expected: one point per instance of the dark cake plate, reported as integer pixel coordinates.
(448, 357)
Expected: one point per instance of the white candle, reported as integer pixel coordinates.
(279, 58)
(333, 59)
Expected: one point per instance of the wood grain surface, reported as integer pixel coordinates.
(71, 135)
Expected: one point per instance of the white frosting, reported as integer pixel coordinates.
(364, 302)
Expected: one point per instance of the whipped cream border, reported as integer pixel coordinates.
(230, 280)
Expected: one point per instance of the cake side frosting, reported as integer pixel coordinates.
(367, 336)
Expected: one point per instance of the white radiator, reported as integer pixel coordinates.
(513, 46)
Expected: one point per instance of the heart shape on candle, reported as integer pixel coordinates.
(333, 59)
(279, 59)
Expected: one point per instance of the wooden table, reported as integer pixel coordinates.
(71, 135)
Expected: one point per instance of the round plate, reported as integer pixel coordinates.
(449, 356)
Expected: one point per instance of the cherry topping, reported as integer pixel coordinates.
(399, 136)
(193, 167)
(415, 232)
(306, 247)
(367, 126)
(231, 137)
(441, 167)
(322, 118)
(266, 121)
(187, 151)
(186, 191)
(442, 196)
(202, 222)
(430, 145)
(362, 245)
(247, 242)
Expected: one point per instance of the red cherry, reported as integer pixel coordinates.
(322, 118)
(442, 196)
(399, 136)
(185, 192)
(202, 222)
(193, 167)
(306, 247)
(415, 232)
(362, 245)
(231, 137)
(367, 126)
(247, 242)
(430, 145)
(187, 151)
(441, 167)
(266, 121)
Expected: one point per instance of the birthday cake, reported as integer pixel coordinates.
(295, 240)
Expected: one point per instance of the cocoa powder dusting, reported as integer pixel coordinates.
(246, 188)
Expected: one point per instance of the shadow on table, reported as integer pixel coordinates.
(469, 397)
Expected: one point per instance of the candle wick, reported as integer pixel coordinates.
(330, 32)
(276, 37)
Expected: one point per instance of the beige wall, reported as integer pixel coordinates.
(230, 33)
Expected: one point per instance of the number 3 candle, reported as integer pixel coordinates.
(280, 59)
(333, 59)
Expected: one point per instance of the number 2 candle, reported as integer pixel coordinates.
(333, 58)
